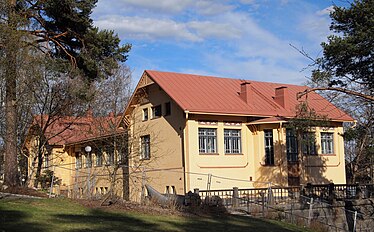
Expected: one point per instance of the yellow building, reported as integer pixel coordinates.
(180, 132)
(218, 133)
(86, 155)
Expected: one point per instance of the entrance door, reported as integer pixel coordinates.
(292, 158)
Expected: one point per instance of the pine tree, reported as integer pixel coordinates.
(62, 30)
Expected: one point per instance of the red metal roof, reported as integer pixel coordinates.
(70, 130)
(215, 95)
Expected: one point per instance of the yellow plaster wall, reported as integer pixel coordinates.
(164, 168)
(327, 168)
(227, 170)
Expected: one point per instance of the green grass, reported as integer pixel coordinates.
(65, 215)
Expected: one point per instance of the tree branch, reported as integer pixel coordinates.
(364, 96)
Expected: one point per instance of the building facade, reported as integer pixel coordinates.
(218, 133)
(180, 132)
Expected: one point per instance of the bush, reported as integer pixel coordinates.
(45, 179)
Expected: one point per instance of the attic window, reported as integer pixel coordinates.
(156, 111)
(145, 114)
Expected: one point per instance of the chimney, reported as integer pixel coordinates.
(246, 93)
(111, 114)
(281, 96)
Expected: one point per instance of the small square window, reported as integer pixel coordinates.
(145, 114)
(167, 108)
(156, 111)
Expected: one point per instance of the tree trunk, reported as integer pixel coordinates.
(11, 167)
(39, 166)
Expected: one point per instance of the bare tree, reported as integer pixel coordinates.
(113, 93)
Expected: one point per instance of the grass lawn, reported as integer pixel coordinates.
(66, 215)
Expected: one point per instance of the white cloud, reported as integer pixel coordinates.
(208, 29)
(153, 29)
(325, 11)
(243, 47)
(209, 7)
(160, 5)
(253, 69)
(147, 28)
(316, 25)
(248, 2)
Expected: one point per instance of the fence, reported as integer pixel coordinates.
(338, 192)
(309, 206)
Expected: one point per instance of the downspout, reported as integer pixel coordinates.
(184, 151)
(280, 138)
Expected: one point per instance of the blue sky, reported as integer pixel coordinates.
(246, 39)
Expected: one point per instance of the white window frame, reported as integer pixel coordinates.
(78, 161)
(327, 142)
(232, 141)
(145, 147)
(269, 147)
(99, 158)
(145, 114)
(154, 111)
(207, 140)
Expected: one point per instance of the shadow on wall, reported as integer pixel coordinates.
(308, 169)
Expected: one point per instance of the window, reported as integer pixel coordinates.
(327, 143)
(145, 114)
(309, 144)
(46, 161)
(145, 150)
(78, 161)
(156, 111)
(167, 108)
(88, 160)
(99, 157)
(232, 141)
(109, 150)
(291, 144)
(207, 140)
(269, 147)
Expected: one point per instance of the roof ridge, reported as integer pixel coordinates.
(229, 78)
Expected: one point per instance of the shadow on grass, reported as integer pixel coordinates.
(97, 220)
(227, 223)
(12, 220)
(62, 215)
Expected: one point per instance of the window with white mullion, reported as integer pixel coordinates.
(207, 140)
(269, 147)
(232, 141)
(327, 143)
